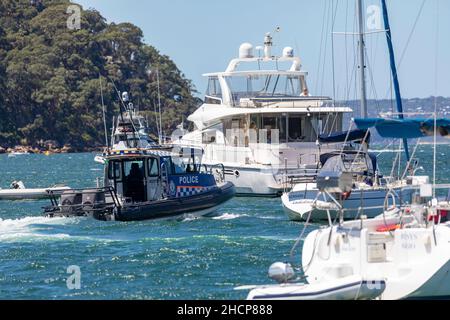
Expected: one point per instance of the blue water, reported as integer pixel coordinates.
(191, 259)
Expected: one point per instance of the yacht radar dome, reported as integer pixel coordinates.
(246, 51)
(288, 52)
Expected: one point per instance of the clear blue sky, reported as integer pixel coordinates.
(203, 35)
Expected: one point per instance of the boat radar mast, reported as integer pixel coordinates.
(268, 46)
(246, 55)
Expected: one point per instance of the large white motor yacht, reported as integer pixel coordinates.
(260, 121)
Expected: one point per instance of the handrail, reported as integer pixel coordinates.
(55, 206)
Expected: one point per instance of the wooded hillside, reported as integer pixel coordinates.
(49, 75)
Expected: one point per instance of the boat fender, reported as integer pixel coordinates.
(427, 240)
(346, 195)
(388, 228)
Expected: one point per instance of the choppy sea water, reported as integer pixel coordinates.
(190, 259)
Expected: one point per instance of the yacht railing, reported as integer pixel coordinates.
(218, 170)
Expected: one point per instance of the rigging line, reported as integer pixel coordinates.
(160, 133)
(412, 33)
(332, 47)
(156, 116)
(349, 88)
(402, 56)
(372, 85)
(408, 164)
(436, 56)
(104, 111)
(320, 47)
(330, 11)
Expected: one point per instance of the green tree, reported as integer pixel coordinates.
(50, 75)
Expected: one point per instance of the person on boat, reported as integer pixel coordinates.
(305, 93)
(135, 182)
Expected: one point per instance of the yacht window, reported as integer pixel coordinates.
(153, 168)
(261, 86)
(295, 129)
(214, 91)
(272, 123)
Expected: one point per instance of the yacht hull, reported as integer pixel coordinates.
(258, 182)
(299, 204)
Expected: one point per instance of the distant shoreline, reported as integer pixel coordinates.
(47, 151)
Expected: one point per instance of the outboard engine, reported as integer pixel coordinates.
(70, 203)
(81, 203)
(91, 200)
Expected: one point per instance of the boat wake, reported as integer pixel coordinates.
(385, 151)
(229, 216)
(31, 228)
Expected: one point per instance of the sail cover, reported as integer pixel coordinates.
(405, 128)
(345, 136)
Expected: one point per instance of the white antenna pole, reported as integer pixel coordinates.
(160, 133)
(435, 98)
(434, 154)
(104, 112)
(362, 63)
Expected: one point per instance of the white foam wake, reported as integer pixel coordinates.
(29, 227)
(229, 216)
(385, 150)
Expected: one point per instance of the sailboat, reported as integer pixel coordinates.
(408, 247)
(403, 253)
(370, 189)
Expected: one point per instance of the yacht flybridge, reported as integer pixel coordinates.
(261, 121)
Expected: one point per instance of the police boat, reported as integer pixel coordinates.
(143, 184)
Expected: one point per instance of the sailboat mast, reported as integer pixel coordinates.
(362, 62)
(398, 96)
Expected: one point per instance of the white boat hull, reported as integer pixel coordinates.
(299, 204)
(415, 262)
(351, 288)
(254, 182)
